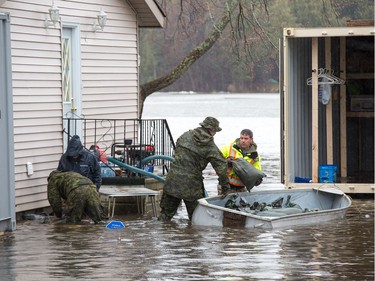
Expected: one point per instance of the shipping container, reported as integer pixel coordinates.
(327, 107)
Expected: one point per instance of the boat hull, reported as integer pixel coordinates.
(327, 204)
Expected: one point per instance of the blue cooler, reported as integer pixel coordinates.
(327, 173)
(106, 170)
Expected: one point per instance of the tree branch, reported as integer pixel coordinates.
(164, 81)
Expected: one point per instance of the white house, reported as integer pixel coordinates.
(56, 60)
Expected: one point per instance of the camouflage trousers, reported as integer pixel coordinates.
(169, 205)
(84, 200)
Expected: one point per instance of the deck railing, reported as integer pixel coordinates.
(129, 140)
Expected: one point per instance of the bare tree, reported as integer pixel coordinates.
(166, 80)
(244, 24)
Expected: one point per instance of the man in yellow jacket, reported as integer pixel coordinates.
(244, 147)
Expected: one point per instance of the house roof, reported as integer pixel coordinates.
(149, 13)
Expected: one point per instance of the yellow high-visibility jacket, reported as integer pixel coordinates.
(234, 151)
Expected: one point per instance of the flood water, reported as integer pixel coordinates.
(150, 250)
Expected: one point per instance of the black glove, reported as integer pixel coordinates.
(254, 155)
(230, 162)
(224, 195)
(258, 182)
(224, 191)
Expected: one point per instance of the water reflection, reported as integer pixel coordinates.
(150, 250)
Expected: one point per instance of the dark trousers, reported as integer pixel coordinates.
(169, 205)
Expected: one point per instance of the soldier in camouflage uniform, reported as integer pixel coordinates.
(79, 194)
(184, 181)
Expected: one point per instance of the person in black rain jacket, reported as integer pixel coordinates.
(79, 160)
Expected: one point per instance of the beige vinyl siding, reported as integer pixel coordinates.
(109, 80)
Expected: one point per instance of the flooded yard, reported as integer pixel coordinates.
(147, 249)
(151, 250)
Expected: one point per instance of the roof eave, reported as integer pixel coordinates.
(149, 13)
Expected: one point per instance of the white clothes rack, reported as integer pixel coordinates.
(325, 78)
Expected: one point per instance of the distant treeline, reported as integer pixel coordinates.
(226, 67)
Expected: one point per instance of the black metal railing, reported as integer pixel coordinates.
(128, 140)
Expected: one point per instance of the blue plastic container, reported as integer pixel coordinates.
(106, 171)
(302, 180)
(149, 168)
(327, 173)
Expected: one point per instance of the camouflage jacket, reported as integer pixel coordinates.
(194, 150)
(61, 184)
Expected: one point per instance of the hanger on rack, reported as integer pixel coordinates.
(325, 78)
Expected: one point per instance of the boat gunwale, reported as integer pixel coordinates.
(204, 202)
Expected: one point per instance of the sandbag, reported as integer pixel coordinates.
(247, 173)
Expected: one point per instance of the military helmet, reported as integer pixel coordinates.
(211, 123)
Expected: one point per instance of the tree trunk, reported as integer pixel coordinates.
(164, 81)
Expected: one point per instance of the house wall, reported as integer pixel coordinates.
(109, 81)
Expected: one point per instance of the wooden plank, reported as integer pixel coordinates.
(40, 107)
(343, 134)
(42, 203)
(39, 130)
(30, 122)
(108, 83)
(34, 54)
(329, 31)
(285, 178)
(329, 127)
(32, 84)
(39, 165)
(360, 114)
(38, 114)
(348, 188)
(98, 50)
(116, 72)
(108, 56)
(39, 186)
(36, 62)
(129, 113)
(19, 34)
(315, 110)
(36, 68)
(130, 63)
(123, 91)
(24, 141)
(116, 112)
(98, 80)
(24, 76)
(36, 46)
(360, 75)
(51, 158)
(360, 23)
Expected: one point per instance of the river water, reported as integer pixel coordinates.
(147, 249)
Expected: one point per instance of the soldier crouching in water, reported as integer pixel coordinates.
(79, 194)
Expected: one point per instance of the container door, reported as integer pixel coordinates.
(282, 123)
